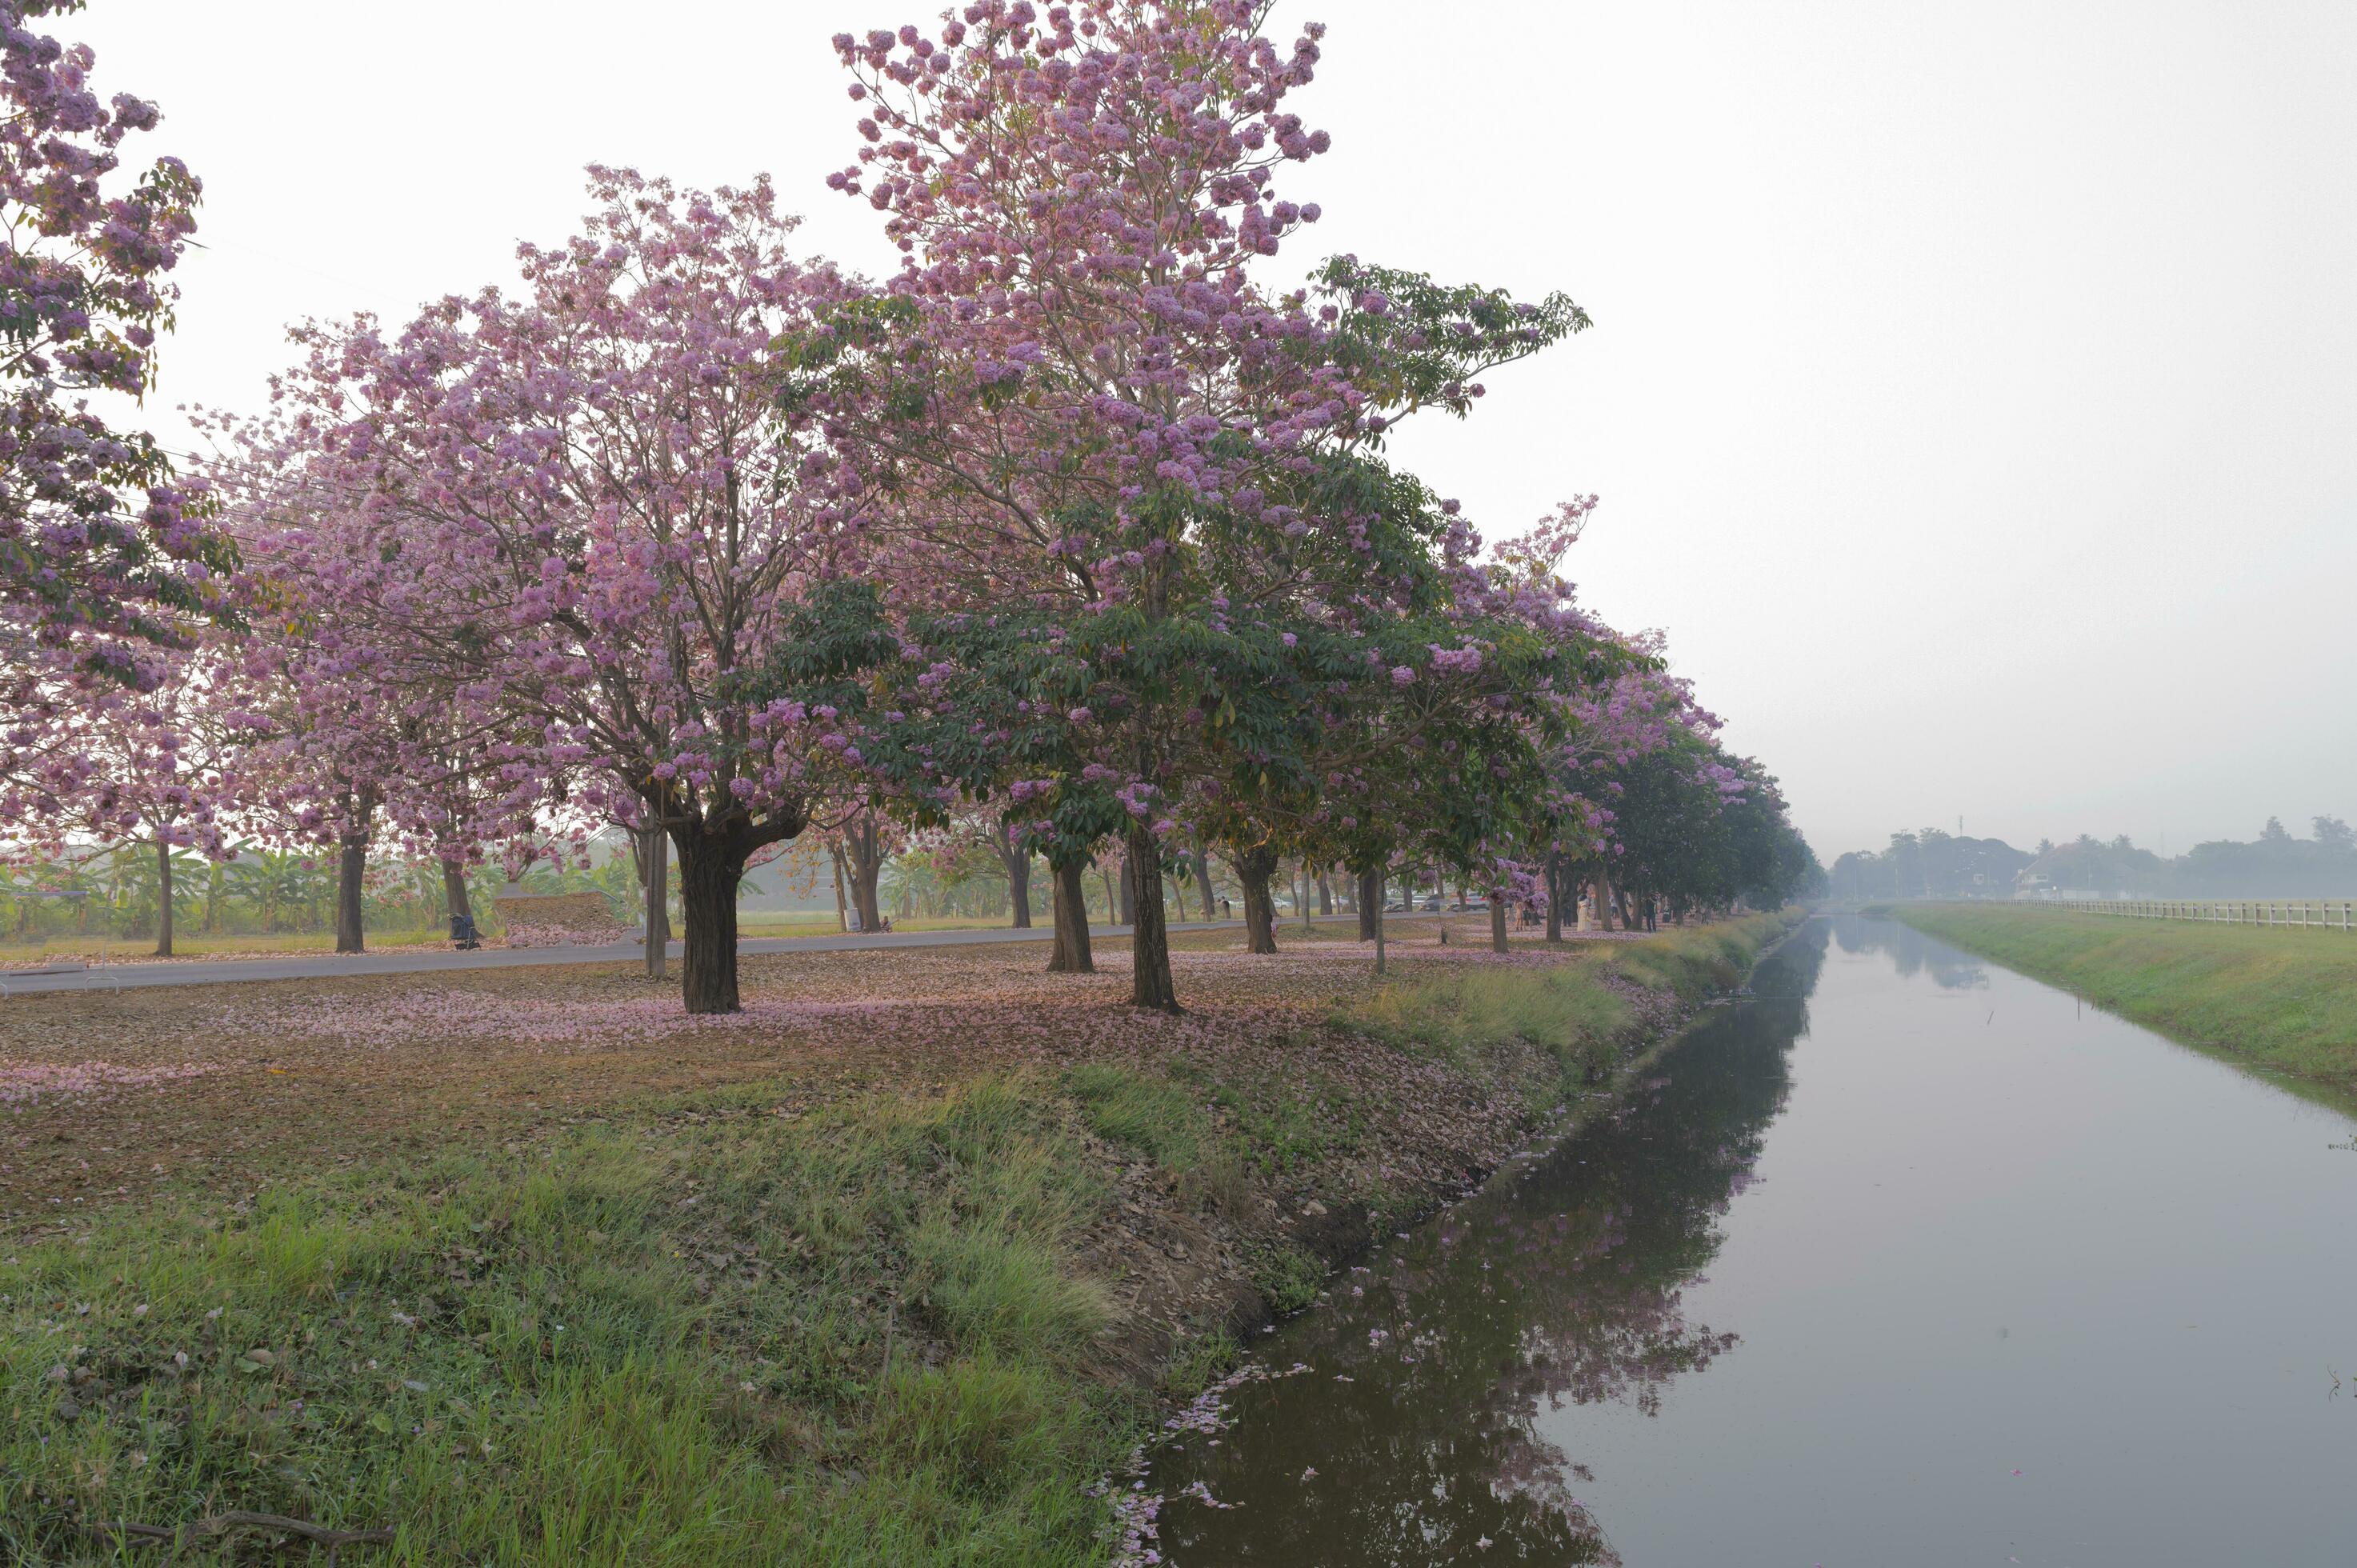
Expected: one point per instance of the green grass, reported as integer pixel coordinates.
(1458, 1014)
(1203, 1361)
(2285, 999)
(1565, 1010)
(1696, 961)
(198, 944)
(647, 1346)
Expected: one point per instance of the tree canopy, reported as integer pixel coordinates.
(1081, 534)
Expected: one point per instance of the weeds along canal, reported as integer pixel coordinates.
(1913, 1259)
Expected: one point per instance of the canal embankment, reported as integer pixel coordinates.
(2284, 999)
(862, 1277)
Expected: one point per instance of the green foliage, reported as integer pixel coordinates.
(1287, 1279)
(112, 895)
(1685, 844)
(1424, 343)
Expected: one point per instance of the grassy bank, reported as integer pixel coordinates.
(2285, 999)
(906, 1324)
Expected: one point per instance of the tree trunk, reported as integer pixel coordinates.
(842, 908)
(1071, 955)
(1129, 893)
(1016, 858)
(1203, 880)
(351, 867)
(863, 844)
(1019, 889)
(1325, 896)
(709, 870)
(1150, 984)
(655, 878)
(163, 897)
(453, 891)
(1112, 900)
(214, 877)
(1497, 921)
(1370, 903)
(1254, 868)
(1555, 897)
(864, 893)
(1600, 895)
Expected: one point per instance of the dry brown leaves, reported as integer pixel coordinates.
(305, 1075)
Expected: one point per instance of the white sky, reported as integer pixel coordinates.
(1973, 393)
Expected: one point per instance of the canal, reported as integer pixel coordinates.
(1911, 1260)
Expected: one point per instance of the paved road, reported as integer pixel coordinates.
(437, 961)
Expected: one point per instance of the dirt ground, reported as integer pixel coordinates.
(108, 1097)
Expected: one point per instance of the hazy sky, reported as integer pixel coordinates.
(1973, 393)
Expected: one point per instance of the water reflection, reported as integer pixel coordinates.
(1911, 951)
(1411, 1438)
(2024, 1284)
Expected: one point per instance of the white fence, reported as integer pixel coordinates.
(2313, 914)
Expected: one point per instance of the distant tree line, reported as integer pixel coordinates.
(1931, 863)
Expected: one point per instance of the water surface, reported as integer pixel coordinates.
(1915, 1261)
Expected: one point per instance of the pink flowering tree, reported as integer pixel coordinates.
(363, 738)
(1442, 755)
(329, 749)
(164, 765)
(471, 785)
(614, 519)
(1595, 724)
(104, 561)
(1641, 713)
(99, 552)
(1642, 718)
(1093, 431)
